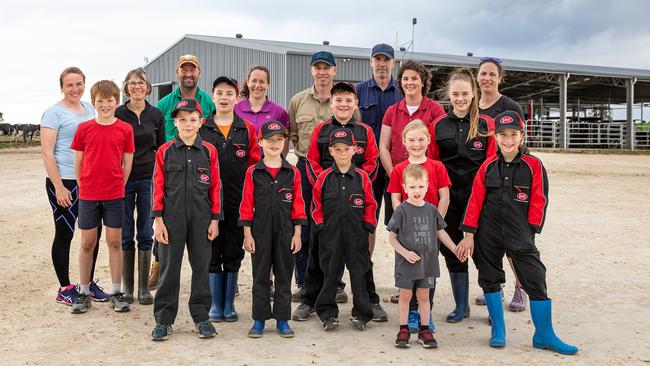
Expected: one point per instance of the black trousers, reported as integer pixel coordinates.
(457, 204)
(335, 253)
(490, 247)
(194, 234)
(272, 251)
(227, 248)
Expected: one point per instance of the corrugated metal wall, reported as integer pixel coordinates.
(217, 60)
(299, 76)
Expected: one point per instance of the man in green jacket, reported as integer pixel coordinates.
(188, 72)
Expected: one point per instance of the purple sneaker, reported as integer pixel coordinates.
(97, 293)
(67, 295)
(519, 300)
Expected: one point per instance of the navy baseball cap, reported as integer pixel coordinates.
(383, 49)
(343, 136)
(228, 80)
(323, 56)
(272, 128)
(343, 86)
(190, 105)
(508, 119)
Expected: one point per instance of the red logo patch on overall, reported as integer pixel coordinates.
(204, 178)
(522, 196)
(274, 126)
(182, 103)
(358, 149)
(288, 196)
(240, 153)
(506, 119)
(340, 134)
(358, 202)
(477, 144)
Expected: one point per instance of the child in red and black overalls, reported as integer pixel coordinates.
(506, 209)
(186, 193)
(272, 212)
(343, 103)
(236, 143)
(344, 215)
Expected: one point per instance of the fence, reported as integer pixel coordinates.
(584, 135)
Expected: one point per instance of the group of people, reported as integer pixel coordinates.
(208, 172)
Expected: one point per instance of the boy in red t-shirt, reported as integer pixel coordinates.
(103, 153)
(416, 139)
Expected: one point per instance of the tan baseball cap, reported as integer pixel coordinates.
(188, 59)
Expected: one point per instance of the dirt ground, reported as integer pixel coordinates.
(594, 246)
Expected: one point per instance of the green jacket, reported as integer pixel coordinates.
(167, 104)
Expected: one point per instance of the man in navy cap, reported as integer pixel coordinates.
(375, 96)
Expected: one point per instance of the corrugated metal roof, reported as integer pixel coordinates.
(428, 58)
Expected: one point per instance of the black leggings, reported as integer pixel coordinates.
(65, 219)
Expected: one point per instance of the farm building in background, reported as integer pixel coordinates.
(566, 105)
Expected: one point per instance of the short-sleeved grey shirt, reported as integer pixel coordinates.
(416, 229)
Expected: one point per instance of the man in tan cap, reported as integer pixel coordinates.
(188, 72)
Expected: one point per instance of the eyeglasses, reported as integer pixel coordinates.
(495, 59)
(140, 83)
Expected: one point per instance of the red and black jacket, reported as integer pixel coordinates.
(269, 201)
(365, 151)
(237, 152)
(462, 158)
(341, 199)
(186, 182)
(508, 196)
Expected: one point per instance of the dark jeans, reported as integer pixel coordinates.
(137, 197)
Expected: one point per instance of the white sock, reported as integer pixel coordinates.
(117, 287)
(84, 289)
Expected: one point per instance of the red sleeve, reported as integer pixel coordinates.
(389, 115)
(442, 177)
(247, 205)
(317, 203)
(438, 111)
(371, 154)
(476, 200)
(313, 155)
(79, 138)
(538, 200)
(158, 182)
(492, 143)
(298, 215)
(434, 150)
(395, 182)
(369, 211)
(215, 183)
(253, 146)
(129, 144)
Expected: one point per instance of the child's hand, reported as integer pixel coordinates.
(213, 230)
(411, 256)
(249, 244)
(296, 244)
(465, 248)
(160, 231)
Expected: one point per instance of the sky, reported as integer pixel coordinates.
(106, 39)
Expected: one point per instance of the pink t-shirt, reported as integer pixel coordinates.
(397, 117)
(104, 146)
(438, 178)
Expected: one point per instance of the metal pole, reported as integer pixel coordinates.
(629, 98)
(564, 131)
(415, 21)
